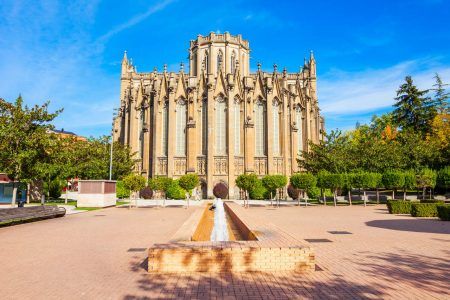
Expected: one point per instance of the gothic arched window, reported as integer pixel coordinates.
(299, 122)
(221, 126)
(219, 60)
(276, 108)
(237, 126)
(233, 62)
(204, 124)
(180, 141)
(260, 128)
(206, 62)
(164, 127)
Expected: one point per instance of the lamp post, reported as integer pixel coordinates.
(112, 143)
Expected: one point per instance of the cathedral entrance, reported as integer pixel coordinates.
(204, 189)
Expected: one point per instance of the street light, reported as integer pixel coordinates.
(112, 142)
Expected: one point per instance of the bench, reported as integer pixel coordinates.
(13, 216)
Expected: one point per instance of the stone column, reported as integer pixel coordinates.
(146, 136)
(172, 130)
(191, 137)
(211, 142)
(230, 138)
(156, 133)
(269, 134)
(285, 133)
(249, 136)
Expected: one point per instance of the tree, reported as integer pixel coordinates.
(304, 182)
(322, 183)
(334, 182)
(441, 96)
(443, 179)
(426, 178)
(24, 139)
(246, 182)
(188, 182)
(134, 183)
(259, 192)
(413, 109)
(331, 154)
(409, 181)
(393, 180)
(272, 183)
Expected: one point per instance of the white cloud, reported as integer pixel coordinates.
(350, 93)
(135, 20)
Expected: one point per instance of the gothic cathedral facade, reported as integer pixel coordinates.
(218, 119)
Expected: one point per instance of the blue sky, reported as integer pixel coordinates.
(69, 52)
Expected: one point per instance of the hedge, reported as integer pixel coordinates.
(174, 191)
(432, 201)
(443, 212)
(399, 207)
(424, 210)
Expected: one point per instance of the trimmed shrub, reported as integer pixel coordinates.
(189, 182)
(443, 212)
(247, 182)
(259, 192)
(303, 181)
(220, 190)
(146, 193)
(424, 210)
(293, 192)
(399, 207)
(134, 182)
(54, 189)
(274, 182)
(313, 193)
(174, 191)
(432, 201)
(121, 191)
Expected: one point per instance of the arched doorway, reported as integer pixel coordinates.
(204, 189)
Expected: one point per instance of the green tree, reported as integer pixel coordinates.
(188, 182)
(273, 183)
(304, 182)
(409, 181)
(393, 180)
(175, 191)
(24, 139)
(330, 154)
(426, 178)
(259, 192)
(322, 183)
(246, 182)
(441, 96)
(412, 108)
(443, 179)
(134, 183)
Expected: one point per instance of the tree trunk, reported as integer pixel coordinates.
(365, 198)
(430, 193)
(67, 196)
(378, 196)
(350, 197)
(271, 204)
(393, 195)
(131, 197)
(423, 193)
(28, 193)
(298, 199)
(334, 198)
(324, 199)
(14, 195)
(404, 194)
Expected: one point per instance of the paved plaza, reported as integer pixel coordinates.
(360, 252)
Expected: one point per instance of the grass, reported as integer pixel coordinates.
(88, 208)
(118, 203)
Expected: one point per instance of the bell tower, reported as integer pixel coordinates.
(216, 52)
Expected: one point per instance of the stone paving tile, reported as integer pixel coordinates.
(87, 257)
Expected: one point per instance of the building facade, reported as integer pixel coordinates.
(217, 119)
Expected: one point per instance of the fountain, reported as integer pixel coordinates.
(223, 237)
(220, 230)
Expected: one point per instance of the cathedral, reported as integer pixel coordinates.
(217, 119)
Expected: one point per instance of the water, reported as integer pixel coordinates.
(220, 229)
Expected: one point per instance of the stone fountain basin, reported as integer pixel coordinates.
(262, 247)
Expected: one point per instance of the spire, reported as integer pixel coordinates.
(275, 67)
(311, 56)
(165, 68)
(259, 67)
(284, 72)
(181, 67)
(125, 58)
(124, 71)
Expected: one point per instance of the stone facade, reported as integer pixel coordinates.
(217, 119)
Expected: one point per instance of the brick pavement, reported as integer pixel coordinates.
(101, 255)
